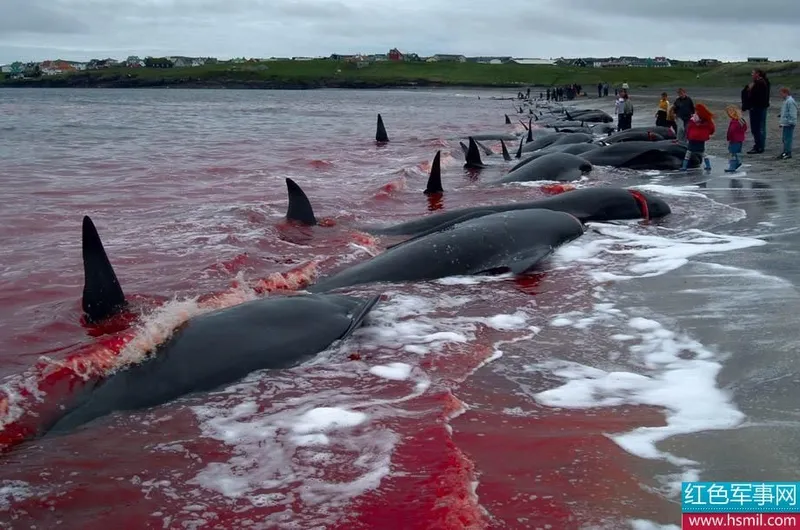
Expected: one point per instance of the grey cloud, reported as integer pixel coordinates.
(739, 11)
(37, 16)
(263, 28)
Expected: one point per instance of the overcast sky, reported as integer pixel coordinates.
(682, 29)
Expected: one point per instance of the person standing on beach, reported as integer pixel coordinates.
(755, 98)
(737, 129)
(684, 109)
(699, 130)
(788, 121)
(663, 109)
(605, 89)
(624, 109)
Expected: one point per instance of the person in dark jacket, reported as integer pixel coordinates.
(755, 98)
(684, 109)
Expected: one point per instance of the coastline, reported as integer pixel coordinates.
(307, 75)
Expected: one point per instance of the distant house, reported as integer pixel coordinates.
(488, 60)
(5, 69)
(134, 62)
(14, 68)
(522, 60)
(56, 67)
(158, 62)
(708, 62)
(445, 57)
(181, 62)
(303, 58)
(339, 57)
(757, 60)
(395, 55)
(379, 57)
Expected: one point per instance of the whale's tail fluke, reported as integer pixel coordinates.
(435, 179)
(300, 209)
(473, 155)
(380, 133)
(506, 156)
(102, 293)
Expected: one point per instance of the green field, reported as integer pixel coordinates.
(327, 73)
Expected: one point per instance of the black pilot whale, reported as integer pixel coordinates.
(604, 203)
(219, 348)
(515, 241)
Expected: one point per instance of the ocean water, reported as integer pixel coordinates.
(642, 354)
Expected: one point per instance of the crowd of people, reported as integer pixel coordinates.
(694, 123)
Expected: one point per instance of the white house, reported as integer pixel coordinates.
(532, 61)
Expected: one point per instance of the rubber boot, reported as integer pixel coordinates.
(733, 165)
(685, 165)
(707, 163)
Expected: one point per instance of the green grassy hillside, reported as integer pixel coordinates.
(326, 73)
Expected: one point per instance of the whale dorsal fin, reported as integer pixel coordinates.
(435, 178)
(473, 155)
(102, 294)
(530, 130)
(508, 120)
(486, 150)
(300, 209)
(464, 148)
(380, 133)
(506, 156)
(519, 151)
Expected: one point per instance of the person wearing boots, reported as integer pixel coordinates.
(737, 129)
(699, 130)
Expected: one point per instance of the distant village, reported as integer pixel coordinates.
(57, 67)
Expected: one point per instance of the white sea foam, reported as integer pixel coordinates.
(647, 254)
(653, 363)
(314, 424)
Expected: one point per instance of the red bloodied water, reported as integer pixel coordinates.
(187, 191)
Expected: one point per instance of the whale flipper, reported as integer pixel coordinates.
(435, 178)
(473, 155)
(506, 156)
(358, 317)
(102, 293)
(300, 209)
(380, 134)
(447, 225)
(524, 261)
(508, 120)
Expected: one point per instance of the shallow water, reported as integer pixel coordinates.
(576, 397)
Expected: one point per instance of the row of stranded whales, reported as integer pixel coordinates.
(270, 333)
(605, 203)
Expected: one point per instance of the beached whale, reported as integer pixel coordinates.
(220, 348)
(556, 166)
(513, 240)
(587, 204)
(666, 155)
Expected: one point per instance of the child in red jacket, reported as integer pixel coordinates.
(699, 130)
(736, 134)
